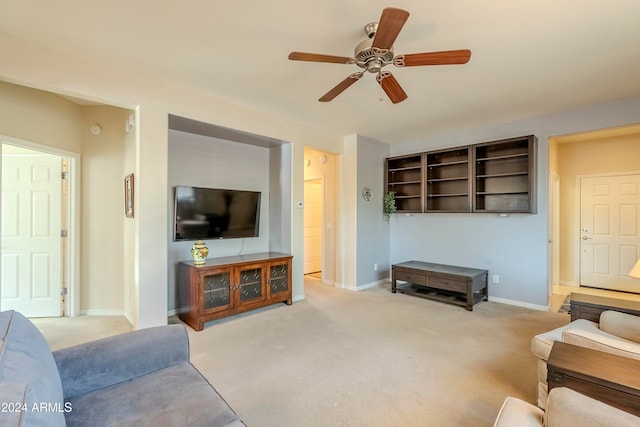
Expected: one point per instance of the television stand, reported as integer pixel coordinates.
(231, 285)
(461, 286)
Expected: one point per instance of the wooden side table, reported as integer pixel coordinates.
(584, 306)
(609, 378)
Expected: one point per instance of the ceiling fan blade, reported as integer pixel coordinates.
(391, 22)
(340, 87)
(434, 58)
(391, 87)
(316, 57)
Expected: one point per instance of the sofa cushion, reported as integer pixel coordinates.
(541, 344)
(27, 363)
(516, 412)
(105, 362)
(177, 395)
(622, 325)
(568, 408)
(602, 341)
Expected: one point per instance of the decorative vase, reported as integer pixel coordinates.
(199, 252)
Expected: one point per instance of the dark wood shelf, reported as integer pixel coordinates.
(459, 178)
(408, 168)
(405, 182)
(448, 195)
(457, 162)
(496, 176)
(404, 175)
(508, 156)
(500, 175)
(504, 173)
(497, 193)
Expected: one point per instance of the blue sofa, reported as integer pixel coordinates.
(141, 378)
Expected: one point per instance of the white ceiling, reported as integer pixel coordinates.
(529, 57)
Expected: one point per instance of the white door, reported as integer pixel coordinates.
(31, 227)
(313, 206)
(609, 231)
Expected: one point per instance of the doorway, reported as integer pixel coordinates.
(313, 225)
(35, 211)
(572, 158)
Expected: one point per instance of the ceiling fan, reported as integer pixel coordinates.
(376, 52)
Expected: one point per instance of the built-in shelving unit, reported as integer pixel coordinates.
(448, 185)
(496, 176)
(405, 177)
(503, 175)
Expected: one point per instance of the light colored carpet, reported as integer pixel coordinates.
(371, 358)
(63, 332)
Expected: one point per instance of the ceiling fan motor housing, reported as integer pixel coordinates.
(370, 58)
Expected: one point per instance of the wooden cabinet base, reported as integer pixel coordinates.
(230, 285)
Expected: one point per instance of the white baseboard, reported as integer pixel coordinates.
(519, 303)
(568, 283)
(369, 285)
(298, 298)
(102, 313)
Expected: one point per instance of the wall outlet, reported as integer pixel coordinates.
(375, 267)
(496, 278)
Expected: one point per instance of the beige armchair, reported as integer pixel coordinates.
(565, 408)
(617, 333)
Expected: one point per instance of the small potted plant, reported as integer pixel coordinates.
(389, 205)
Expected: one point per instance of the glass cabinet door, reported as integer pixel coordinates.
(250, 284)
(278, 278)
(216, 290)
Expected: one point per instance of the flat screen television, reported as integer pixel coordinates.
(214, 213)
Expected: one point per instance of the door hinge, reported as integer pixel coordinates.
(64, 233)
(64, 175)
(63, 291)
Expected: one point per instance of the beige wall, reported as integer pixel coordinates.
(586, 156)
(40, 117)
(103, 219)
(104, 259)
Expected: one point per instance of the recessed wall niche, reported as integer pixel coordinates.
(207, 155)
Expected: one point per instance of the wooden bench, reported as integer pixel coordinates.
(446, 283)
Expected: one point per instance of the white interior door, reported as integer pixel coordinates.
(31, 227)
(313, 207)
(609, 231)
